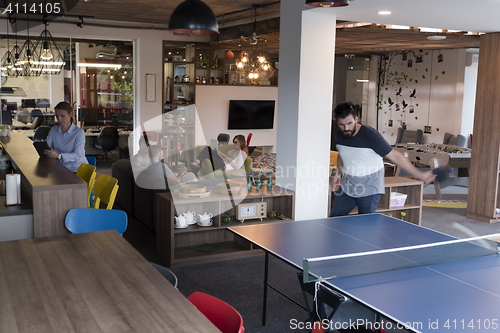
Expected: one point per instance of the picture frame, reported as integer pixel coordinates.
(150, 87)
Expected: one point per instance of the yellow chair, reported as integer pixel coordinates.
(105, 189)
(334, 155)
(87, 172)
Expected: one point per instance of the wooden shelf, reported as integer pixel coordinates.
(413, 205)
(177, 246)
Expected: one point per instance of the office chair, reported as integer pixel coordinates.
(41, 133)
(221, 314)
(87, 173)
(105, 189)
(167, 274)
(92, 160)
(328, 301)
(36, 113)
(23, 116)
(108, 140)
(80, 220)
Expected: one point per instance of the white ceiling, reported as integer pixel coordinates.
(465, 15)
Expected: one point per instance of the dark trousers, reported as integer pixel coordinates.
(344, 204)
(209, 154)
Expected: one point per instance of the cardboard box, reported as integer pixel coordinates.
(397, 199)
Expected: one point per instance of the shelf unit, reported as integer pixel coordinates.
(177, 246)
(183, 70)
(413, 204)
(186, 65)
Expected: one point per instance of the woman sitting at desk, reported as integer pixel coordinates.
(234, 159)
(67, 140)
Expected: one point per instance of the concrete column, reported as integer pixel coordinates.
(307, 43)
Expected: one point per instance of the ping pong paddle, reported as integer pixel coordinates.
(442, 174)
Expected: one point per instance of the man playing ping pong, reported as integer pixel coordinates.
(359, 180)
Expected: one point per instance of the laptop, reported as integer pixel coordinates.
(214, 144)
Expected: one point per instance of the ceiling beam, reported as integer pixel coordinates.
(262, 28)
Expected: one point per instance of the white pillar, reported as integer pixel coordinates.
(307, 44)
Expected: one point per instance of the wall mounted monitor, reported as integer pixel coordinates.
(251, 114)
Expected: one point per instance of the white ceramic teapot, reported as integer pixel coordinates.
(190, 217)
(180, 221)
(205, 216)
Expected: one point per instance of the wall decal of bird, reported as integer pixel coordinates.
(412, 94)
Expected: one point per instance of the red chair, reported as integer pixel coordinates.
(221, 314)
(249, 137)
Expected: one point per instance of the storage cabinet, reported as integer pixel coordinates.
(185, 66)
(197, 244)
(412, 209)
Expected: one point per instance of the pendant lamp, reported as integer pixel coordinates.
(49, 56)
(7, 60)
(319, 3)
(193, 17)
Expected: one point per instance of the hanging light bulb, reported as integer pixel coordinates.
(244, 56)
(46, 55)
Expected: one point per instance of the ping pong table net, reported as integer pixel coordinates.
(354, 264)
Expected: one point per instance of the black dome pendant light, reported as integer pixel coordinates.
(193, 17)
(320, 3)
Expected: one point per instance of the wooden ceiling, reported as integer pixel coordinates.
(236, 19)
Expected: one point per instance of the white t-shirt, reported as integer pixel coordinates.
(238, 156)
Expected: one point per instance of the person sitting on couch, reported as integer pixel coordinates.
(234, 159)
(155, 175)
(141, 160)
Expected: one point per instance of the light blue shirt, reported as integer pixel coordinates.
(71, 145)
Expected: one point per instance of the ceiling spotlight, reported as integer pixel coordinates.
(319, 3)
(436, 37)
(384, 12)
(193, 17)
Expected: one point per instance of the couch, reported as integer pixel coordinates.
(408, 136)
(206, 172)
(458, 140)
(137, 201)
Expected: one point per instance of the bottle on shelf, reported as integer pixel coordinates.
(216, 61)
(207, 61)
(201, 61)
(167, 84)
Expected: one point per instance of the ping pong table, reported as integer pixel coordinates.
(460, 296)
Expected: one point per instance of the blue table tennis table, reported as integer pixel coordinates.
(457, 296)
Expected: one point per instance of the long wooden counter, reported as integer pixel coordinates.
(53, 188)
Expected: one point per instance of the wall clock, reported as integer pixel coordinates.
(253, 210)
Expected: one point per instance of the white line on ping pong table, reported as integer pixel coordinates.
(359, 254)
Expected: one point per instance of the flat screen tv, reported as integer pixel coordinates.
(250, 114)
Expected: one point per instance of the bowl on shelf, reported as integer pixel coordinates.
(192, 188)
(230, 188)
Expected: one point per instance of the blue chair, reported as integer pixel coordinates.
(92, 160)
(80, 220)
(167, 274)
